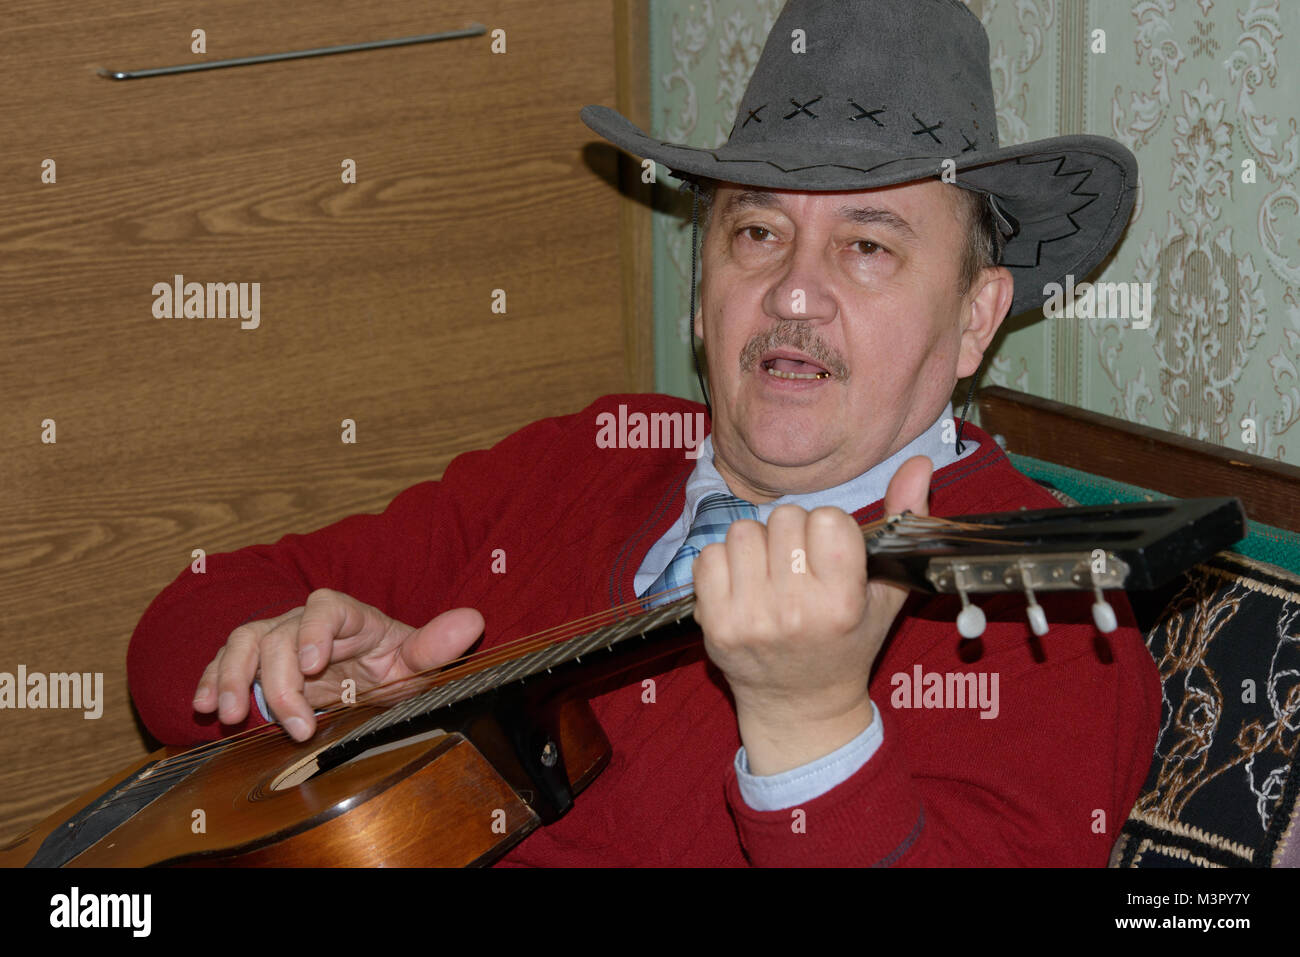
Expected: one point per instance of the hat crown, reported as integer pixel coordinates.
(909, 77)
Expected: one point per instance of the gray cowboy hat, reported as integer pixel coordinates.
(858, 94)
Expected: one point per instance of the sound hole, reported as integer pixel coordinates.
(312, 766)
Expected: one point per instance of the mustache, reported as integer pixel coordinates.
(796, 335)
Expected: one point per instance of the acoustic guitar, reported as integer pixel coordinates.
(455, 766)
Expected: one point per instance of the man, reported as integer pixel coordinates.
(843, 294)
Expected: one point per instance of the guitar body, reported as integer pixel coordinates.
(433, 800)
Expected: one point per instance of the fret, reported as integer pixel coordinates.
(404, 710)
(666, 613)
(550, 657)
(613, 634)
(514, 670)
(585, 643)
(472, 685)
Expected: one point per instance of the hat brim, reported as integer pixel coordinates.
(1071, 196)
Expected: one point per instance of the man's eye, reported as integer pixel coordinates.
(867, 247)
(756, 233)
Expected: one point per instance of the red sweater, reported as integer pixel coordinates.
(1048, 781)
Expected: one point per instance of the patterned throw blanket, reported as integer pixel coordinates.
(1224, 781)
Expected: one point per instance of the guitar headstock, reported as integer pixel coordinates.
(1138, 545)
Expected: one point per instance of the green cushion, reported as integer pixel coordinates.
(1264, 543)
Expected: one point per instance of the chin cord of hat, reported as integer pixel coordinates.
(695, 231)
(965, 408)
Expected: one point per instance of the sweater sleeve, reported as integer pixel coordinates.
(1045, 780)
(396, 561)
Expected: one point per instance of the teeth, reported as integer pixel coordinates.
(797, 375)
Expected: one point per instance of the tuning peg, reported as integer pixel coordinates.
(1037, 617)
(1103, 615)
(1034, 611)
(970, 620)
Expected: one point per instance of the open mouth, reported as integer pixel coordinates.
(794, 369)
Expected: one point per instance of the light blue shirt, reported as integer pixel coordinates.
(791, 788)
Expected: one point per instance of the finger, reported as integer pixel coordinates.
(205, 695)
(443, 639)
(909, 489)
(711, 581)
(837, 556)
(787, 550)
(236, 669)
(747, 569)
(282, 680)
(329, 620)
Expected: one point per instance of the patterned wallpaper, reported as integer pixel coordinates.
(1204, 92)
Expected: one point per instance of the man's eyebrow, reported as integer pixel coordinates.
(858, 215)
(875, 216)
(748, 199)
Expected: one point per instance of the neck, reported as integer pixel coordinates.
(776, 482)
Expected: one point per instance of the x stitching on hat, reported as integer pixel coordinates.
(802, 108)
(753, 115)
(868, 114)
(969, 145)
(927, 129)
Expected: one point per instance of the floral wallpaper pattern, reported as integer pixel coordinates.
(1204, 92)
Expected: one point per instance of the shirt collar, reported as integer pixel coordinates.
(850, 496)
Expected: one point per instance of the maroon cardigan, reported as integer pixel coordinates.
(1048, 781)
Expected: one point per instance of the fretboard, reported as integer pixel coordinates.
(491, 677)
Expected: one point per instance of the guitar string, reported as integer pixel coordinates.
(476, 662)
(266, 736)
(462, 667)
(271, 735)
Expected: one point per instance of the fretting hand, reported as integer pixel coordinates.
(789, 617)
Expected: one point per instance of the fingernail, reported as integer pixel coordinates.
(308, 656)
(227, 702)
(296, 727)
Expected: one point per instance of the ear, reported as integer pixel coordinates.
(986, 305)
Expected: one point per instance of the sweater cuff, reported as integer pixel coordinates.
(872, 819)
(775, 792)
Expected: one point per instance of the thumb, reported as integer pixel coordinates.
(909, 489)
(443, 639)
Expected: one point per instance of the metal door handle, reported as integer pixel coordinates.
(473, 30)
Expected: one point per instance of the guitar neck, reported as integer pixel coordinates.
(558, 652)
(1092, 548)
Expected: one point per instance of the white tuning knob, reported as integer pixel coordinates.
(970, 622)
(1103, 615)
(1037, 617)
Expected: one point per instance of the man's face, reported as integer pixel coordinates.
(834, 329)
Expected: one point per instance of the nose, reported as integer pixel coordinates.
(803, 291)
